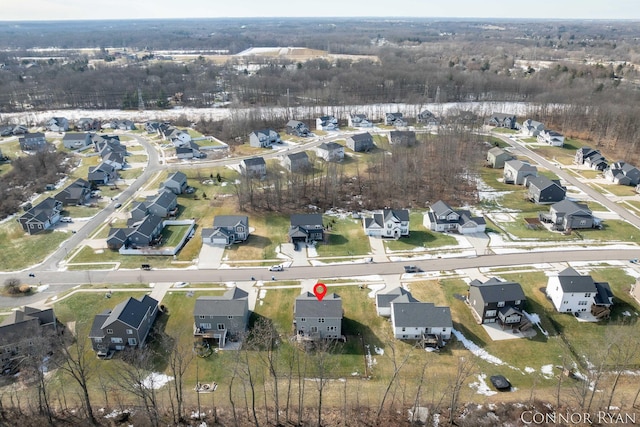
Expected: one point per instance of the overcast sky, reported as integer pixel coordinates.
(22, 10)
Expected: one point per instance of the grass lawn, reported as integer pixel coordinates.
(496, 142)
(130, 173)
(620, 190)
(491, 176)
(519, 229)
(588, 173)
(634, 203)
(171, 234)
(31, 249)
(137, 158)
(80, 211)
(83, 306)
(504, 130)
(612, 230)
(529, 139)
(517, 200)
(419, 236)
(88, 255)
(345, 238)
(270, 230)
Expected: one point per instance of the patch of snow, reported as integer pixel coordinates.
(42, 288)
(535, 319)
(371, 362)
(116, 413)
(626, 313)
(262, 294)
(374, 289)
(155, 380)
(378, 350)
(529, 370)
(476, 350)
(547, 371)
(354, 374)
(311, 251)
(482, 387)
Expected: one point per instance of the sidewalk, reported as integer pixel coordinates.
(377, 249)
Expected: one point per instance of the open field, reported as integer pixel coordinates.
(620, 190)
(345, 238)
(419, 236)
(32, 249)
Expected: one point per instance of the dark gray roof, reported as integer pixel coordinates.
(494, 290)
(307, 220)
(440, 208)
(420, 314)
(400, 214)
(307, 305)
(571, 281)
(293, 157)
(177, 177)
(519, 165)
(541, 182)
(164, 198)
(96, 326)
(569, 207)
(229, 220)
(604, 295)
(359, 137)
(384, 300)
(254, 161)
(131, 312)
(148, 225)
(329, 146)
(232, 303)
(74, 136)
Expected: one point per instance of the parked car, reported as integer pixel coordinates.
(66, 219)
(412, 269)
(276, 268)
(118, 205)
(145, 267)
(634, 261)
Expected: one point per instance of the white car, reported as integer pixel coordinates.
(276, 268)
(66, 219)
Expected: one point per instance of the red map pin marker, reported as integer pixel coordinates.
(320, 290)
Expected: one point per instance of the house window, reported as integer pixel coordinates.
(229, 317)
(490, 313)
(331, 328)
(321, 320)
(582, 303)
(116, 340)
(205, 325)
(500, 303)
(129, 331)
(314, 329)
(444, 329)
(587, 295)
(221, 326)
(201, 317)
(302, 319)
(109, 331)
(583, 222)
(565, 302)
(132, 341)
(403, 329)
(97, 340)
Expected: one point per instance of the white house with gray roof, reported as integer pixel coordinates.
(326, 123)
(424, 321)
(531, 127)
(551, 137)
(383, 300)
(255, 167)
(264, 138)
(387, 223)
(222, 317)
(441, 217)
(315, 320)
(359, 121)
(623, 173)
(227, 229)
(330, 151)
(571, 292)
(515, 172)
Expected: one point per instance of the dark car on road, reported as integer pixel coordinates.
(412, 269)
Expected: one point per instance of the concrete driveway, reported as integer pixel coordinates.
(210, 256)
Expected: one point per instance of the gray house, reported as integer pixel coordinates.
(315, 320)
(296, 162)
(428, 118)
(264, 138)
(422, 321)
(297, 128)
(42, 216)
(531, 127)
(76, 140)
(359, 121)
(57, 124)
(227, 229)
(326, 123)
(163, 204)
(543, 190)
(623, 173)
(405, 138)
(330, 151)
(567, 215)
(515, 171)
(254, 167)
(176, 182)
(222, 317)
(128, 324)
(102, 174)
(20, 331)
(441, 217)
(502, 120)
(361, 142)
(496, 157)
(394, 119)
(306, 228)
(145, 232)
(495, 301)
(77, 193)
(592, 158)
(32, 141)
(383, 300)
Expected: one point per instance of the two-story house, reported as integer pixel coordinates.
(76, 140)
(531, 127)
(42, 216)
(496, 301)
(387, 223)
(550, 137)
(21, 330)
(33, 142)
(543, 190)
(591, 158)
(264, 138)
(516, 171)
(406, 138)
(623, 173)
(330, 151)
(316, 320)
(223, 317)
(361, 142)
(496, 157)
(306, 228)
(175, 182)
(128, 324)
(326, 123)
(227, 229)
(441, 217)
(296, 162)
(568, 215)
(395, 119)
(502, 120)
(297, 128)
(57, 124)
(254, 167)
(571, 292)
(426, 117)
(102, 174)
(359, 121)
(77, 193)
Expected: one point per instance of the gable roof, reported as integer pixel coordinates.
(297, 157)
(571, 281)
(420, 314)
(384, 300)
(495, 290)
(178, 176)
(440, 208)
(362, 137)
(519, 165)
(330, 146)
(307, 305)
(569, 207)
(131, 311)
(229, 220)
(541, 182)
(307, 220)
(254, 161)
(232, 303)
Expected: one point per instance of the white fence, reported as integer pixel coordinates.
(164, 251)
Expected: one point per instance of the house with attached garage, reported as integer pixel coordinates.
(264, 138)
(315, 320)
(189, 151)
(497, 301)
(77, 193)
(57, 124)
(359, 121)
(383, 300)
(102, 174)
(361, 142)
(496, 157)
(227, 229)
(33, 142)
(571, 292)
(163, 204)
(296, 162)
(428, 118)
(115, 159)
(388, 223)
(590, 158)
(422, 321)
(87, 124)
(20, 331)
(138, 233)
(551, 137)
(222, 318)
(516, 171)
(127, 325)
(531, 128)
(175, 182)
(395, 119)
(623, 173)
(330, 151)
(406, 138)
(297, 128)
(502, 120)
(441, 217)
(543, 190)
(42, 216)
(569, 215)
(255, 167)
(76, 140)
(326, 123)
(306, 228)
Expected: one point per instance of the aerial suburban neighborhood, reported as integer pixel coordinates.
(275, 258)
